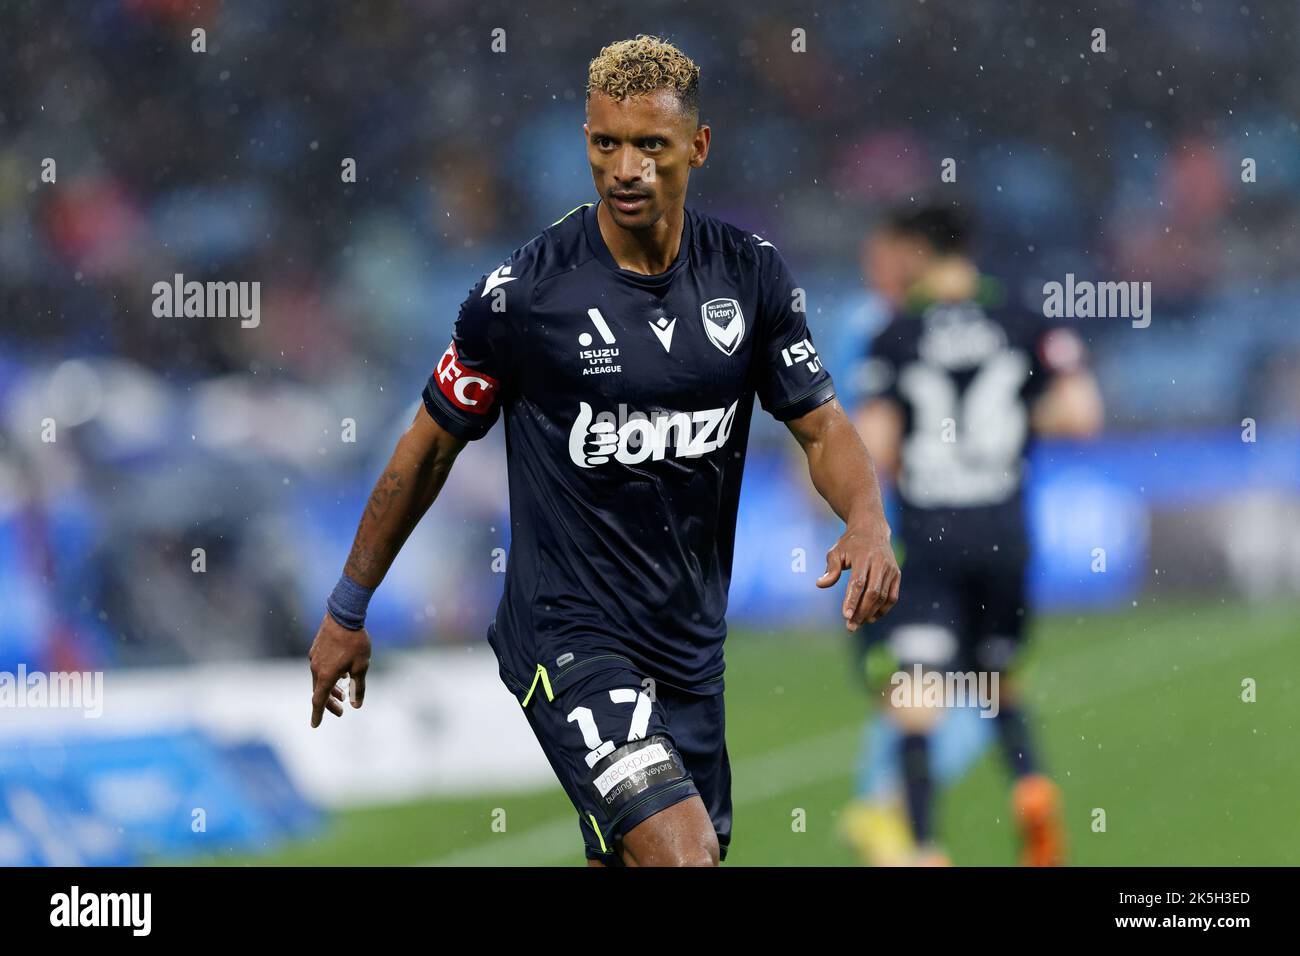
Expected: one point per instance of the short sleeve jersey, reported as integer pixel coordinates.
(626, 401)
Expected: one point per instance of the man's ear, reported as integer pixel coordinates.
(700, 146)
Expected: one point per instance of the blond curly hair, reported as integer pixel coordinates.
(644, 65)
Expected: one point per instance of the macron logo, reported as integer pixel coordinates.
(498, 276)
(663, 330)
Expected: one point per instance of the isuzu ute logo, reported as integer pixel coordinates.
(724, 324)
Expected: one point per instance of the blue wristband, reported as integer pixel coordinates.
(347, 604)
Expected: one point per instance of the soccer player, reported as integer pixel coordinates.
(958, 383)
(624, 347)
(875, 822)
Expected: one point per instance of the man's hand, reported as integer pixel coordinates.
(842, 472)
(337, 653)
(414, 476)
(873, 585)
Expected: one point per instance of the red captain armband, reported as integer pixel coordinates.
(468, 389)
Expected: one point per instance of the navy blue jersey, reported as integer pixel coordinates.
(966, 376)
(627, 401)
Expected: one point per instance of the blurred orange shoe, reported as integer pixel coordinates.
(1037, 803)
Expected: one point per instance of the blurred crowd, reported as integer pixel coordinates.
(463, 119)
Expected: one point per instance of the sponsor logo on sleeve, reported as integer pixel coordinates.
(468, 389)
(802, 351)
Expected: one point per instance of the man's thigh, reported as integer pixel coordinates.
(679, 835)
(613, 746)
(698, 723)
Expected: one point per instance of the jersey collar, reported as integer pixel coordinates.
(602, 253)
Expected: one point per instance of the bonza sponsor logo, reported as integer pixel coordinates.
(595, 439)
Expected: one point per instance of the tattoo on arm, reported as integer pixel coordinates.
(365, 565)
(386, 490)
(399, 499)
(361, 563)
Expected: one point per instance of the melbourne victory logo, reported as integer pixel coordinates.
(724, 324)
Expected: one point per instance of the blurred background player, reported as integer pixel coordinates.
(956, 386)
(875, 822)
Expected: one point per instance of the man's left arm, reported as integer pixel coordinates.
(794, 387)
(843, 474)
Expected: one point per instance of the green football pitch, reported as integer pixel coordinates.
(1139, 714)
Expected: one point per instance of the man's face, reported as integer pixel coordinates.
(641, 150)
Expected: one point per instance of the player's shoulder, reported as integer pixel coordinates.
(713, 236)
(557, 249)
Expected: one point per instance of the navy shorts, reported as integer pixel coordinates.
(625, 747)
(963, 602)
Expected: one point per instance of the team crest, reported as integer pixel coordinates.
(724, 324)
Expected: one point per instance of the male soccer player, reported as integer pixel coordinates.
(875, 822)
(625, 346)
(958, 382)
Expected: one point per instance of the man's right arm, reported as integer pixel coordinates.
(411, 481)
(462, 400)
